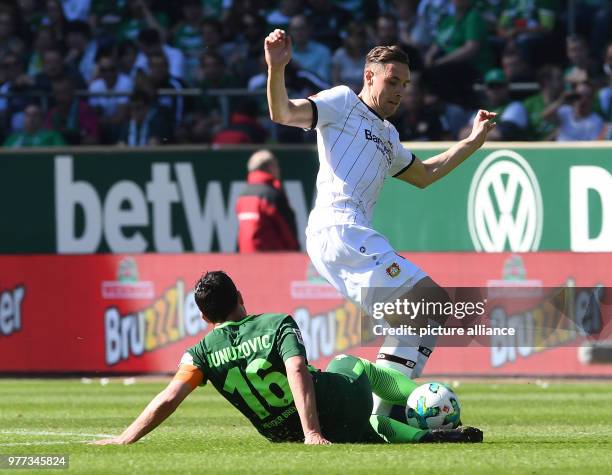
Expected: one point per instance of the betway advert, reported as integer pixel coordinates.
(136, 313)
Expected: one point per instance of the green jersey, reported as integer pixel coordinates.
(41, 138)
(245, 362)
(453, 33)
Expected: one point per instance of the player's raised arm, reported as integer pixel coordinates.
(160, 408)
(294, 112)
(426, 172)
(302, 388)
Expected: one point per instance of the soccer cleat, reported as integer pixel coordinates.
(460, 434)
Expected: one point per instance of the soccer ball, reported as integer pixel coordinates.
(433, 406)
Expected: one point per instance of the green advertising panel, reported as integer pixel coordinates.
(517, 198)
(513, 197)
(123, 201)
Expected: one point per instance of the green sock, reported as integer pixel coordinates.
(388, 384)
(395, 432)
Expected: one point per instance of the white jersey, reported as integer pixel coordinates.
(357, 151)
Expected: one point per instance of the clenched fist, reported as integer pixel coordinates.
(277, 46)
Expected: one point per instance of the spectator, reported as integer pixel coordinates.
(55, 19)
(414, 121)
(550, 79)
(9, 41)
(127, 53)
(266, 222)
(459, 55)
(30, 16)
(515, 68)
(326, 20)
(310, 55)
(212, 41)
(605, 93)
(248, 50)
(511, 118)
(161, 79)
(139, 18)
(407, 20)
(44, 40)
(594, 20)
(573, 112)
(527, 25)
(53, 69)
(429, 15)
(281, 16)
(150, 43)
(581, 66)
(348, 61)
(17, 84)
(387, 35)
(82, 49)
(112, 110)
(188, 37)
(33, 134)
(146, 126)
(213, 75)
(72, 117)
(244, 128)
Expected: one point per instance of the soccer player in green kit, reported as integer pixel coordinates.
(259, 364)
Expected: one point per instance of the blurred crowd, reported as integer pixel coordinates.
(146, 72)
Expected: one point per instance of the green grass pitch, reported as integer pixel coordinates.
(543, 429)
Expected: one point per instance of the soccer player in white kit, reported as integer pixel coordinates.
(358, 148)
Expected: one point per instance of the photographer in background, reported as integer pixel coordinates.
(573, 113)
(266, 222)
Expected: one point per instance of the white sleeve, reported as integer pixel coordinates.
(329, 106)
(402, 158)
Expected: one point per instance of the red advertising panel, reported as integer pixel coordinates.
(136, 314)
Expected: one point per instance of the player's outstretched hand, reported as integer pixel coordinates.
(277, 47)
(483, 124)
(314, 438)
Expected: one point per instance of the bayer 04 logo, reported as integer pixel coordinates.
(433, 406)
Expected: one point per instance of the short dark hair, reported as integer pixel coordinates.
(387, 54)
(216, 296)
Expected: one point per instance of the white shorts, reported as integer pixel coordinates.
(361, 264)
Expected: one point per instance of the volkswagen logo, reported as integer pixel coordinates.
(505, 205)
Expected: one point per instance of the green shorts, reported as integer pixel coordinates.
(344, 402)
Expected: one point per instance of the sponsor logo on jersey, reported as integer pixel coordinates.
(383, 146)
(505, 205)
(394, 270)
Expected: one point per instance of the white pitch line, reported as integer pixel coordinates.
(61, 434)
(16, 444)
